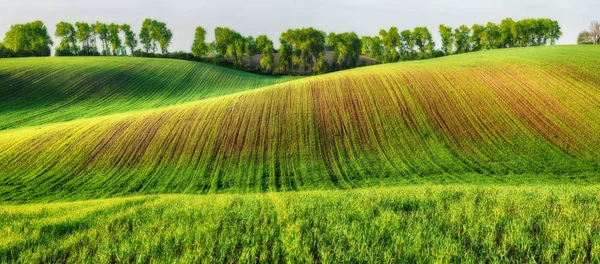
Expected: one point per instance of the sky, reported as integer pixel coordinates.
(271, 17)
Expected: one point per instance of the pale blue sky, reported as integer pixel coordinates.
(271, 17)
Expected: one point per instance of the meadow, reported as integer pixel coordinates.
(38, 91)
(503, 116)
(483, 157)
(415, 224)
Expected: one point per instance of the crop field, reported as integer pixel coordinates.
(390, 225)
(506, 116)
(37, 91)
(489, 156)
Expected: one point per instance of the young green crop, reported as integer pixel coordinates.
(458, 223)
(38, 91)
(503, 116)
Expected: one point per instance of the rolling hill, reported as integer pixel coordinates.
(37, 91)
(503, 116)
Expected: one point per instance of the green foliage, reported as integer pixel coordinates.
(103, 33)
(29, 39)
(424, 41)
(229, 43)
(130, 38)
(447, 39)
(113, 36)
(508, 32)
(145, 38)
(407, 47)
(478, 37)
(372, 47)
(306, 44)
(390, 40)
(492, 36)
(85, 33)
(321, 66)
(265, 46)
(199, 47)
(346, 49)
(155, 34)
(463, 44)
(285, 56)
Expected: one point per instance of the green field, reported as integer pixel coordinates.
(402, 224)
(483, 156)
(38, 91)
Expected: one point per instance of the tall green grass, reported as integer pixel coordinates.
(457, 223)
(505, 116)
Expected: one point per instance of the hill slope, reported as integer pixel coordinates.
(519, 115)
(36, 91)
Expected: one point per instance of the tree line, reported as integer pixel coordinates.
(301, 50)
(85, 39)
(394, 45)
(591, 36)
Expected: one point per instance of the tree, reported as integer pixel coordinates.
(462, 34)
(555, 32)
(240, 49)
(321, 66)
(585, 38)
(525, 32)
(447, 39)
(104, 34)
(155, 34)
(164, 36)
(307, 45)
(93, 38)
(250, 49)
(145, 38)
(130, 39)
(84, 35)
(29, 39)
(391, 42)
(424, 41)
(5, 52)
(478, 37)
(407, 46)
(492, 37)
(372, 47)
(229, 44)
(346, 49)
(592, 36)
(265, 46)
(199, 47)
(508, 33)
(68, 44)
(285, 56)
(114, 38)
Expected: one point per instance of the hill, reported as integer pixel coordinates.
(37, 91)
(502, 116)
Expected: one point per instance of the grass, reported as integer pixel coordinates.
(503, 116)
(483, 157)
(456, 223)
(38, 91)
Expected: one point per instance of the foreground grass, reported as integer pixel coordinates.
(460, 223)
